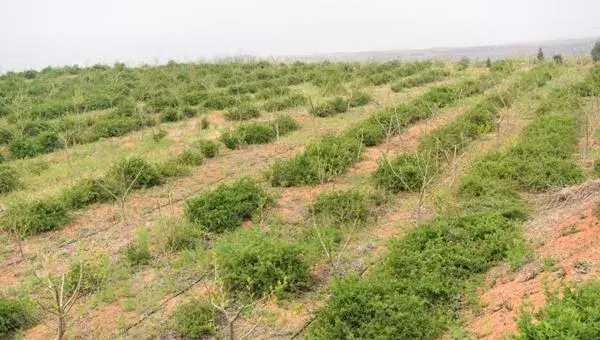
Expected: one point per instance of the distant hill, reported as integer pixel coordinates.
(570, 47)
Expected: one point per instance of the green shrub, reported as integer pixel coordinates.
(137, 253)
(230, 139)
(370, 132)
(430, 260)
(204, 123)
(191, 157)
(342, 207)
(242, 112)
(182, 235)
(25, 147)
(194, 319)
(15, 315)
(330, 107)
(279, 104)
(188, 111)
(574, 316)
(209, 148)
(94, 272)
(9, 179)
(257, 133)
(114, 127)
(171, 114)
(226, 207)
(359, 99)
(35, 217)
(126, 108)
(253, 265)
(332, 155)
(504, 66)
(370, 309)
(219, 102)
(420, 79)
(463, 63)
(406, 172)
(293, 171)
(158, 135)
(6, 135)
(172, 168)
(87, 192)
(133, 172)
(321, 161)
(285, 124)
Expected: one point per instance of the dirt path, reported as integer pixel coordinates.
(566, 239)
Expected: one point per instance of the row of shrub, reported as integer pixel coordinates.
(126, 175)
(340, 104)
(324, 159)
(415, 292)
(428, 76)
(259, 132)
(409, 171)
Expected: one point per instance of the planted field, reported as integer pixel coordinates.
(282, 201)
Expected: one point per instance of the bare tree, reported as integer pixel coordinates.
(121, 196)
(62, 301)
(427, 170)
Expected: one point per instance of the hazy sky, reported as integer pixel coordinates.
(36, 33)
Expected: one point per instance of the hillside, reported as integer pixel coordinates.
(318, 200)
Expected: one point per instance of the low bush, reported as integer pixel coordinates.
(87, 192)
(194, 319)
(172, 168)
(359, 99)
(15, 314)
(24, 147)
(226, 207)
(9, 179)
(191, 157)
(330, 107)
(171, 114)
(219, 101)
(420, 79)
(257, 133)
(209, 148)
(282, 103)
(230, 139)
(406, 172)
(181, 235)
(6, 135)
(242, 112)
(158, 135)
(294, 171)
(133, 172)
(137, 253)
(332, 155)
(94, 272)
(35, 217)
(321, 161)
(253, 264)
(204, 123)
(341, 208)
(285, 124)
(114, 127)
(369, 309)
(574, 316)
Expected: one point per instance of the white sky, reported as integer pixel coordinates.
(37, 33)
